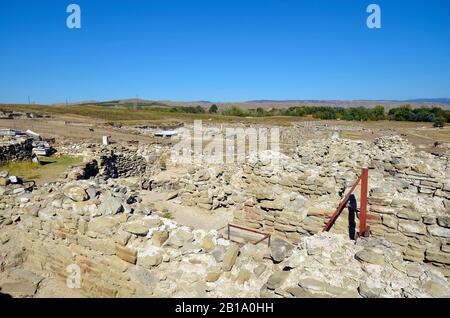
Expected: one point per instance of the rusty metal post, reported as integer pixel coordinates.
(363, 231)
(341, 206)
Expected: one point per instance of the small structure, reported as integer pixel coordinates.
(166, 133)
(6, 132)
(106, 140)
(38, 144)
(42, 151)
(33, 135)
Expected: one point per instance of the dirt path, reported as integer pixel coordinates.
(191, 216)
(75, 129)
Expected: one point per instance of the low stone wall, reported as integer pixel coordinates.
(421, 237)
(15, 150)
(409, 201)
(134, 255)
(116, 162)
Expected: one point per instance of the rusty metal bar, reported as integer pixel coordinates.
(341, 206)
(266, 235)
(363, 230)
(246, 229)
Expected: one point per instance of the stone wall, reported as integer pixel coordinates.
(115, 161)
(121, 251)
(15, 150)
(408, 200)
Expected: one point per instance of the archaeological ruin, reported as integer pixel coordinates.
(130, 222)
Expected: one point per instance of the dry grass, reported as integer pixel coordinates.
(422, 135)
(143, 116)
(49, 169)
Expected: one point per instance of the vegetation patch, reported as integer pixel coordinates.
(49, 168)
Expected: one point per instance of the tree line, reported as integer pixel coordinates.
(436, 115)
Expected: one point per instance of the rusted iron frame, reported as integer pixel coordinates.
(266, 235)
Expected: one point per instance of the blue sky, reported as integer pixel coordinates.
(223, 50)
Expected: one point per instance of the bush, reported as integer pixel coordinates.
(439, 122)
(402, 113)
(234, 111)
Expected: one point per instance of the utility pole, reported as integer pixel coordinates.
(29, 102)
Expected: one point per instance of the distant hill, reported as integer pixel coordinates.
(267, 104)
(430, 100)
(381, 101)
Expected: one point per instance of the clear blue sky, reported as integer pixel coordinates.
(223, 50)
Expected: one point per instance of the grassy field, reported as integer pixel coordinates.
(144, 115)
(420, 134)
(49, 169)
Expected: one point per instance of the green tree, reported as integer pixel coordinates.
(213, 109)
(199, 110)
(377, 113)
(439, 122)
(403, 113)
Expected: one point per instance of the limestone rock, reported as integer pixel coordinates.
(272, 205)
(409, 227)
(160, 237)
(103, 225)
(243, 276)
(277, 279)
(179, 237)
(280, 249)
(299, 292)
(21, 288)
(110, 205)
(143, 276)
(230, 257)
(218, 253)
(208, 243)
(128, 255)
(436, 288)
(261, 268)
(313, 285)
(409, 215)
(4, 182)
(213, 274)
(137, 228)
(76, 193)
(150, 261)
(439, 231)
(371, 256)
(368, 290)
(444, 221)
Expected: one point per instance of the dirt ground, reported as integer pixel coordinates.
(76, 128)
